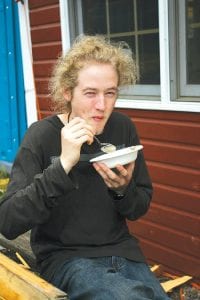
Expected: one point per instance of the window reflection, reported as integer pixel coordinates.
(193, 41)
(149, 62)
(147, 14)
(121, 16)
(132, 21)
(94, 16)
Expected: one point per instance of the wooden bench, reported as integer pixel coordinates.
(16, 282)
(19, 283)
(21, 245)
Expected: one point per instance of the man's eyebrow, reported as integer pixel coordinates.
(95, 89)
(112, 88)
(89, 88)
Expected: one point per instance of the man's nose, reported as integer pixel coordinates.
(100, 103)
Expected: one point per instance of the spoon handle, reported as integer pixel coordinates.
(98, 141)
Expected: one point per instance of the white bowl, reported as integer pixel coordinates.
(119, 157)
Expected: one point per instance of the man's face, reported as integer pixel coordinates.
(94, 97)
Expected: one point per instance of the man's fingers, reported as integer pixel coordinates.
(108, 174)
(117, 178)
(79, 123)
(121, 170)
(79, 131)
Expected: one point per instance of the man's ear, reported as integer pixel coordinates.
(67, 95)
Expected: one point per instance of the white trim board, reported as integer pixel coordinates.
(26, 47)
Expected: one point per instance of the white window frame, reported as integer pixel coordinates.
(65, 25)
(165, 102)
(185, 88)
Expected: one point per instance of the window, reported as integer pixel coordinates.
(132, 21)
(165, 38)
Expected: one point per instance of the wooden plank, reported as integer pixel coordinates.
(48, 34)
(21, 244)
(45, 113)
(47, 51)
(171, 284)
(164, 130)
(168, 237)
(175, 176)
(43, 68)
(169, 196)
(172, 261)
(19, 283)
(45, 15)
(174, 219)
(161, 115)
(42, 86)
(44, 102)
(172, 153)
(40, 3)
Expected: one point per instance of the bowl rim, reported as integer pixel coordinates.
(117, 153)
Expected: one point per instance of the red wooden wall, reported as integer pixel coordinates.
(169, 233)
(46, 46)
(170, 230)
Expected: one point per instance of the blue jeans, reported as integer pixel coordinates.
(108, 278)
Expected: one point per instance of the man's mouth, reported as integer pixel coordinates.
(97, 118)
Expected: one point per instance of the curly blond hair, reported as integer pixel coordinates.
(84, 50)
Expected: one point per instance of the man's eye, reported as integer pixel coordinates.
(90, 94)
(111, 94)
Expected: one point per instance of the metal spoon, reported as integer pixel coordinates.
(105, 147)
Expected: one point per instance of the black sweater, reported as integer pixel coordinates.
(72, 215)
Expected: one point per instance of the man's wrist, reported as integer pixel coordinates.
(66, 166)
(116, 195)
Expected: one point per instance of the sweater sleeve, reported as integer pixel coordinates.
(138, 195)
(31, 193)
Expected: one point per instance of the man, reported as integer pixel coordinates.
(77, 210)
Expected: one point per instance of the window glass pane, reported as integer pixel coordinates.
(147, 14)
(193, 41)
(130, 40)
(121, 16)
(94, 16)
(149, 64)
(132, 21)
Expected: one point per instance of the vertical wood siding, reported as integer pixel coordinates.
(169, 232)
